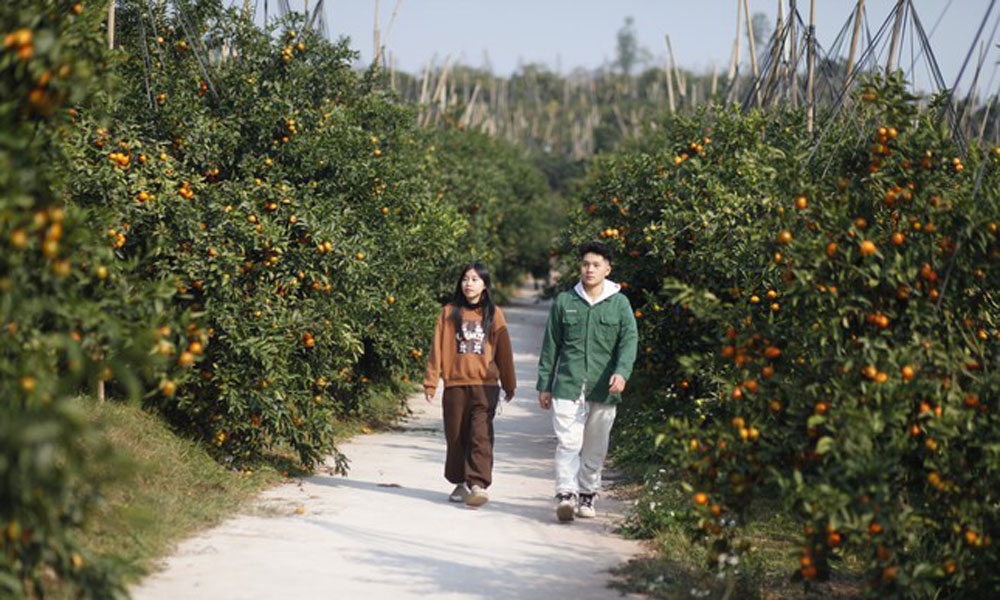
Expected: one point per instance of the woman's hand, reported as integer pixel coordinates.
(429, 397)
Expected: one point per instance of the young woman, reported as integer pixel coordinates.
(470, 352)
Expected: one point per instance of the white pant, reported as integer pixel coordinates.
(583, 429)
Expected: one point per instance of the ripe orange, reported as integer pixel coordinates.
(831, 249)
(785, 237)
(701, 499)
(907, 372)
(898, 238)
(867, 248)
(168, 387)
(801, 203)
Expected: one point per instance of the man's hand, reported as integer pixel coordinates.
(429, 397)
(545, 400)
(617, 384)
(508, 396)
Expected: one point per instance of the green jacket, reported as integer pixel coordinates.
(586, 344)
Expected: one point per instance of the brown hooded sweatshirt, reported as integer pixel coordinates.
(468, 356)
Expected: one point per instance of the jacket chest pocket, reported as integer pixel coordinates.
(572, 326)
(609, 326)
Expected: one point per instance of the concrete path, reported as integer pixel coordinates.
(388, 531)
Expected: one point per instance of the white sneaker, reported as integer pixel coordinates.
(459, 494)
(565, 506)
(586, 510)
(477, 496)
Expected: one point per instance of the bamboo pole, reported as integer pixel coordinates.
(810, 92)
(375, 36)
(670, 80)
(681, 84)
(111, 46)
(442, 90)
(422, 104)
(890, 65)
(753, 50)
(754, 69)
(111, 30)
(854, 40)
(793, 55)
(986, 118)
(392, 23)
(466, 119)
(971, 97)
(392, 71)
(734, 60)
(715, 79)
(777, 54)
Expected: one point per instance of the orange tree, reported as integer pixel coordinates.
(281, 195)
(819, 325)
(61, 293)
(504, 198)
(296, 212)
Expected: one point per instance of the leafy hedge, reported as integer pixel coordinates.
(302, 219)
(818, 326)
(59, 303)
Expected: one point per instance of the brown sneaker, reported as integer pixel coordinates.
(477, 496)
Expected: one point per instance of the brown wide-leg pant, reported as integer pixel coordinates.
(468, 429)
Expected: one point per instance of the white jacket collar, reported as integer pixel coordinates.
(610, 289)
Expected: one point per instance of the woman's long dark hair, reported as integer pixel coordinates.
(458, 300)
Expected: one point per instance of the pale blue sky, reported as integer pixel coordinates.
(581, 33)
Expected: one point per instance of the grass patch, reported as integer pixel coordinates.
(168, 488)
(680, 567)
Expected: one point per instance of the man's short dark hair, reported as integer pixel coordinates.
(596, 248)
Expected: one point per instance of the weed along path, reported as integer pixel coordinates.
(387, 530)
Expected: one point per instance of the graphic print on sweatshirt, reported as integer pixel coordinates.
(472, 338)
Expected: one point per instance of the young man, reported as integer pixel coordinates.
(586, 358)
